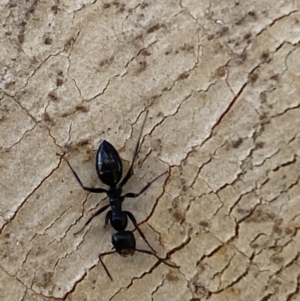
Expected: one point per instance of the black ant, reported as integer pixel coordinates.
(109, 170)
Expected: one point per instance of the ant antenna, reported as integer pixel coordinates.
(130, 170)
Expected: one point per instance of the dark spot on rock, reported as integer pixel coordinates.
(142, 67)
(288, 231)
(54, 8)
(82, 108)
(48, 41)
(210, 37)
(46, 279)
(253, 77)
(178, 216)
(265, 56)
(171, 277)
(31, 9)
(153, 28)
(240, 21)
(145, 52)
(247, 36)
(277, 229)
(106, 5)
(106, 62)
(260, 144)
(139, 36)
(224, 30)
(274, 77)
(204, 224)
(263, 98)
(141, 17)
(122, 9)
(243, 56)
(183, 75)
(242, 211)
(83, 142)
(53, 96)
(46, 117)
(144, 5)
(69, 43)
(252, 14)
(221, 71)
(9, 84)
(187, 47)
(21, 37)
(237, 143)
(263, 118)
(277, 259)
(261, 216)
(59, 82)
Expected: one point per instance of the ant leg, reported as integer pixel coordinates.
(160, 259)
(90, 219)
(107, 218)
(105, 268)
(130, 170)
(93, 190)
(132, 218)
(135, 195)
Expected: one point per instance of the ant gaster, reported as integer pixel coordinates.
(109, 170)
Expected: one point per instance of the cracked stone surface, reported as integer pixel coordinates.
(221, 83)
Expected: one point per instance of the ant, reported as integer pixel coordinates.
(109, 170)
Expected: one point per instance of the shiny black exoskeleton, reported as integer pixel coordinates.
(109, 169)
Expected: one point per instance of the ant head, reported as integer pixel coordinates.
(124, 243)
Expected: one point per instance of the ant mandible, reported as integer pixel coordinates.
(109, 170)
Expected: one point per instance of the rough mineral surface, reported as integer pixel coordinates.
(221, 83)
